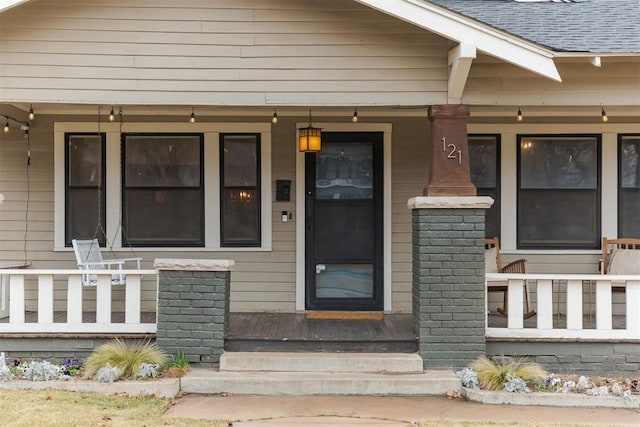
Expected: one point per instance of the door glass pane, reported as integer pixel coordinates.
(344, 230)
(344, 281)
(558, 162)
(344, 171)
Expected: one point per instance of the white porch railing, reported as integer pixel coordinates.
(569, 293)
(18, 291)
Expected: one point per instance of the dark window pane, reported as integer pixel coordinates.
(164, 217)
(241, 223)
(84, 187)
(629, 190)
(629, 214)
(85, 160)
(558, 162)
(240, 176)
(163, 190)
(240, 161)
(483, 166)
(82, 215)
(163, 161)
(548, 218)
(492, 215)
(483, 161)
(630, 162)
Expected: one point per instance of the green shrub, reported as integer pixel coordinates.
(493, 376)
(126, 356)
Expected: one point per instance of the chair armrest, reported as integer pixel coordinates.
(517, 266)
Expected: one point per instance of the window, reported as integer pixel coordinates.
(84, 187)
(162, 191)
(629, 186)
(559, 191)
(240, 189)
(484, 165)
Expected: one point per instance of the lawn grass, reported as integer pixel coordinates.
(37, 408)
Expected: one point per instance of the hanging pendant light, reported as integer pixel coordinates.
(309, 138)
(32, 115)
(112, 115)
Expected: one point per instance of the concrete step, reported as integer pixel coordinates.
(396, 363)
(209, 381)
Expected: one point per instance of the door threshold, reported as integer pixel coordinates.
(345, 315)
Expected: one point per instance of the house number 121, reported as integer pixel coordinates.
(454, 153)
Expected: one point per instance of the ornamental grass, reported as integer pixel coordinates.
(127, 356)
(492, 376)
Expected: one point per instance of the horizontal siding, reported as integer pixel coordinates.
(283, 52)
(617, 82)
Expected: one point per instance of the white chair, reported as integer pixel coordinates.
(89, 257)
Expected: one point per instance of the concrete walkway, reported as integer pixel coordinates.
(380, 411)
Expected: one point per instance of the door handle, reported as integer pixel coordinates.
(320, 268)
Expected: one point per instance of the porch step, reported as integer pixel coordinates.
(271, 373)
(208, 381)
(396, 363)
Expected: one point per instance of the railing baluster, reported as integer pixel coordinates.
(16, 299)
(633, 308)
(74, 299)
(515, 313)
(544, 303)
(603, 305)
(574, 304)
(132, 299)
(103, 299)
(45, 298)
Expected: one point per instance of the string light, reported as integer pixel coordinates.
(192, 117)
(32, 115)
(274, 118)
(605, 118)
(354, 119)
(6, 126)
(112, 115)
(519, 116)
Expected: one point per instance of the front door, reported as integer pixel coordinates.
(344, 224)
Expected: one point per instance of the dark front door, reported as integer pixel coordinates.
(344, 226)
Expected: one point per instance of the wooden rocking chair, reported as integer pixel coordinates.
(493, 264)
(89, 257)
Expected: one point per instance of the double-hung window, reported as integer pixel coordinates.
(84, 161)
(629, 186)
(240, 190)
(484, 165)
(559, 191)
(163, 190)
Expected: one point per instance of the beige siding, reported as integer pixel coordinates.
(227, 52)
(617, 82)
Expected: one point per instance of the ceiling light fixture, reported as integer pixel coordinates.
(192, 117)
(605, 118)
(354, 119)
(274, 118)
(112, 115)
(519, 116)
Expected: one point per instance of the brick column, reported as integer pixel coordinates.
(448, 279)
(193, 307)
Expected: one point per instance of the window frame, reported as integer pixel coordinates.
(621, 189)
(124, 188)
(597, 190)
(211, 131)
(100, 187)
(256, 187)
(496, 203)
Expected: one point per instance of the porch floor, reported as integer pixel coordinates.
(293, 332)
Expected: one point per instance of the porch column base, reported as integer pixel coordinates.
(193, 308)
(448, 279)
